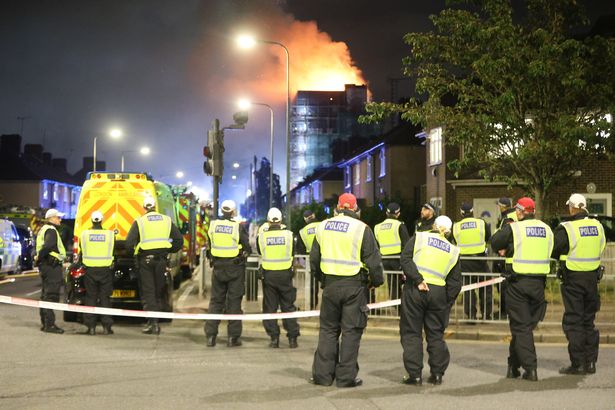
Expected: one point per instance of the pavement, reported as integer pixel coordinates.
(498, 330)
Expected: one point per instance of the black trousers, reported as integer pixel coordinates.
(498, 267)
(228, 285)
(526, 306)
(581, 302)
(485, 294)
(98, 283)
(343, 312)
(51, 283)
(314, 289)
(279, 292)
(429, 311)
(152, 281)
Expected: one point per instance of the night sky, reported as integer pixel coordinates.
(163, 70)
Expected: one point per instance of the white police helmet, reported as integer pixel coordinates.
(149, 202)
(274, 215)
(97, 216)
(228, 206)
(444, 222)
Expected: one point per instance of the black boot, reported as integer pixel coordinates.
(355, 383)
(91, 330)
(512, 372)
(211, 341)
(412, 381)
(234, 341)
(590, 368)
(435, 379)
(152, 327)
(107, 330)
(530, 375)
(53, 329)
(572, 369)
(292, 342)
(275, 342)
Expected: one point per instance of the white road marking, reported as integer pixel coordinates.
(185, 294)
(33, 293)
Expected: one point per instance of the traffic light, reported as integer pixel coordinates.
(213, 151)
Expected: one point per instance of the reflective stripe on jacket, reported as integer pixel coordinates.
(276, 248)
(434, 257)
(587, 242)
(224, 238)
(387, 235)
(469, 233)
(533, 243)
(340, 240)
(97, 247)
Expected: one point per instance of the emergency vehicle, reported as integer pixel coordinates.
(119, 196)
(189, 219)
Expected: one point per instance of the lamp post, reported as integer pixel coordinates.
(145, 151)
(249, 42)
(115, 133)
(244, 105)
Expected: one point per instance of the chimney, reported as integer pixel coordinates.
(34, 150)
(47, 158)
(10, 146)
(88, 162)
(59, 163)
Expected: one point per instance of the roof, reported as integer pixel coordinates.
(27, 168)
(332, 173)
(403, 134)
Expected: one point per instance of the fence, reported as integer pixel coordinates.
(480, 305)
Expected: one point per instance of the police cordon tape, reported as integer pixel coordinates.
(201, 316)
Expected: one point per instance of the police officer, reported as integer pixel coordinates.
(392, 236)
(431, 265)
(471, 235)
(96, 254)
(428, 216)
(304, 246)
(527, 244)
(343, 247)
(507, 215)
(151, 238)
(50, 254)
(579, 244)
(276, 249)
(230, 247)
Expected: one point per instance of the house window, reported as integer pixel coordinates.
(357, 173)
(316, 191)
(383, 165)
(347, 176)
(435, 146)
(368, 173)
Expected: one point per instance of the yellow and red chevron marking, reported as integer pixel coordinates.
(120, 201)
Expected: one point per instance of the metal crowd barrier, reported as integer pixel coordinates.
(487, 301)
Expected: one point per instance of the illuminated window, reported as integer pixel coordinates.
(383, 165)
(357, 173)
(45, 191)
(435, 146)
(316, 191)
(347, 176)
(368, 173)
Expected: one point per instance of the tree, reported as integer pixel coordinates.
(523, 98)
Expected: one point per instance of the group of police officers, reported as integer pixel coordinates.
(346, 262)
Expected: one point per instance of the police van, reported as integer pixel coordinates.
(10, 248)
(119, 196)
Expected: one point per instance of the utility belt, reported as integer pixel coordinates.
(236, 260)
(564, 274)
(512, 276)
(51, 261)
(361, 278)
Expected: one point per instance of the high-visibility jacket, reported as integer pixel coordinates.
(340, 240)
(40, 241)
(154, 231)
(276, 248)
(307, 234)
(97, 247)
(469, 233)
(224, 238)
(533, 243)
(434, 257)
(587, 242)
(512, 214)
(387, 235)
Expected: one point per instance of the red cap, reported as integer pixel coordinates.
(347, 201)
(526, 204)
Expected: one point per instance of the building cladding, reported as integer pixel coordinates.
(318, 120)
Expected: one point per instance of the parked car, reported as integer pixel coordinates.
(27, 246)
(10, 248)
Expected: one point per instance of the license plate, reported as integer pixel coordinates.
(121, 293)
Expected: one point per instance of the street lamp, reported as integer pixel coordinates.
(244, 105)
(114, 133)
(179, 174)
(145, 151)
(245, 42)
